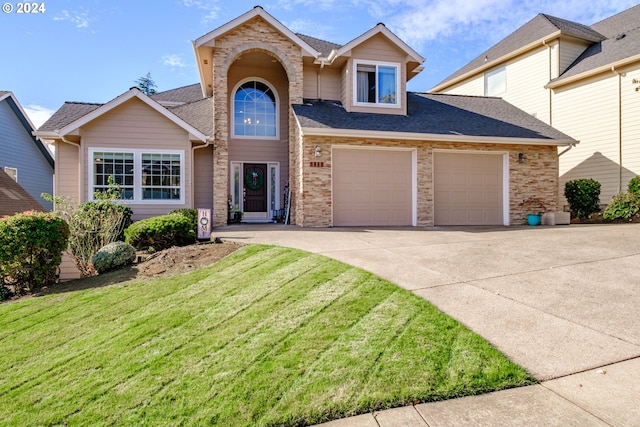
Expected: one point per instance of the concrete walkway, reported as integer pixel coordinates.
(563, 302)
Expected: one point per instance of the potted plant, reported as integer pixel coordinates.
(534, 207)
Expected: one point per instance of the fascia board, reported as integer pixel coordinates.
(209, 38)
(410, 136)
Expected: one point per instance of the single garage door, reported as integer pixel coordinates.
(468, 189)
(371, 187)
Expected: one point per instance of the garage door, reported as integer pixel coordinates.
(468, 189)
(372, 187)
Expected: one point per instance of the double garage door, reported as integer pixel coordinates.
(375, 188)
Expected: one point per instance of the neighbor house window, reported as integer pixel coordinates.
(255, 111)
(12, 172)
(495, 82)
(141, 175)
(377, 83)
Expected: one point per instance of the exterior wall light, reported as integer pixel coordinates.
(522, 158)
(317, 151)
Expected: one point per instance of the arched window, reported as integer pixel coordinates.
(254, 110)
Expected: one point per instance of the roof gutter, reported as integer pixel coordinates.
(409, 136)
(593, 72)
(540, 42)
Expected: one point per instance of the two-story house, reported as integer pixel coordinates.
(582, 80)
(23, 157)
(278, 112)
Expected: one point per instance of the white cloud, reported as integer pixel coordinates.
(210, 8)
(173, 61)
(38, 114)
(80, 19)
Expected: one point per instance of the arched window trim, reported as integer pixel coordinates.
(233, 109)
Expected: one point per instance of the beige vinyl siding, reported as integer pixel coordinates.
(471, 87)
(570, 50)
(321, 83)
(377, 49)
(588, 111)
(630, 125)
(135, 125)
(67, 174)
(203, 178)
(526, 77)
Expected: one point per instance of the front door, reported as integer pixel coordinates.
(255, 189)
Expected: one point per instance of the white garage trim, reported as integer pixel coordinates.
(505, 177)
(414, 174)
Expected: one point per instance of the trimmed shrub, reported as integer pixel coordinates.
(93, 226)
(161, 232)
(190, 214)
(583, 196)
(31, 246)
(622, 206)
(112, 256)
(634, 186)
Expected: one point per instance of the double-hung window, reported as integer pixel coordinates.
(142, 176)
(377, 84)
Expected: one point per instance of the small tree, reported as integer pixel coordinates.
(146, 84)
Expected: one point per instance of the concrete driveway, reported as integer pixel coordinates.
(556, 300)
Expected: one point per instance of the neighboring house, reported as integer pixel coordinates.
(13, 198)
(23, 157)
(275, 110)
(582, 80)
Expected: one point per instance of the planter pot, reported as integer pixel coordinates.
(533, 219)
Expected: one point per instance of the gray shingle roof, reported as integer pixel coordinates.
(322, 46)
(624, 21)
(198, 114)
(189, 93)
(68, 113)
(540, 26)
(435, 114)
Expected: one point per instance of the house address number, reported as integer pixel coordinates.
(24, 8)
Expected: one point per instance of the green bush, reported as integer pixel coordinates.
(583, 196)
(622, 206)
(112, 256)
(161, 232)
(93, 226)
(31, 246)
(5, 293)
(190, 214)
(634, 186)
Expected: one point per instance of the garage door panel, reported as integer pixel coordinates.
(372, 187)
(468, 189)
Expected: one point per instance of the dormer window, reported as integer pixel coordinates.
(377, 84)
(255, 111)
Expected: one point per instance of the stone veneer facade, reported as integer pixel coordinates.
(254, 35)
(538, 176)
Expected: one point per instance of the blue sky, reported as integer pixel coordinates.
(94, 50)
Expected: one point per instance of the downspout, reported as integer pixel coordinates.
(193, 169)
(80, 169)
(544, 43)
(571, 145)
(613, 69)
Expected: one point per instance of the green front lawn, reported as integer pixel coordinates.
(266, 336)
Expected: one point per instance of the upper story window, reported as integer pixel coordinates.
(377, 84)
(142, 176)
(495, 82)
(255, 111)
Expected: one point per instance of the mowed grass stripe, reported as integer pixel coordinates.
(266, 336)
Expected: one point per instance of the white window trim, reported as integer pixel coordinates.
(376, 104)
(233, 110)
(494, 72)
(137, 177)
